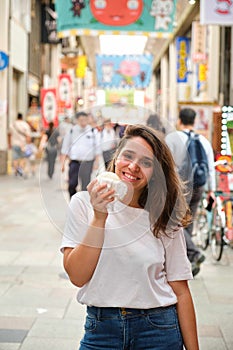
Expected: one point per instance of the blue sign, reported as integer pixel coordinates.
(4, 60)
(126, 71)
(183, 49)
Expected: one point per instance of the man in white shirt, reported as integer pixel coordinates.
(64, 127)
(177, 142)
(108, 141)
(82, 146)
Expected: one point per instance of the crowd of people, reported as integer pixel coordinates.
(28, 151)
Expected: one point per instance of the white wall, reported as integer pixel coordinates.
(4, 15)
(19, 64)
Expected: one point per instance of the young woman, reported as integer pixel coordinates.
(129, 256)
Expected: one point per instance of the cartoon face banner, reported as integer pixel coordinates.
(64, 90)
(216, 12)
(93, 17)
(49, 107)
(127, 71)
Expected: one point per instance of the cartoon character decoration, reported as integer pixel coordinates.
(224, 7)
(162, 11)
(128, 70)
(107, 72)
(116, 13)
(77, 6)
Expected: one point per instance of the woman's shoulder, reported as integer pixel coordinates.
(81, 197)
(169, 236)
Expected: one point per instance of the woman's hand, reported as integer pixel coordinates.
(100, 197)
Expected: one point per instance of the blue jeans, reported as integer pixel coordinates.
(132, 329)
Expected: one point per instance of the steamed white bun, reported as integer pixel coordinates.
(113, 181)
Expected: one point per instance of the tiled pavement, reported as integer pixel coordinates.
(38, 310)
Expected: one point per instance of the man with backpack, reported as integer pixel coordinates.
(194, 158)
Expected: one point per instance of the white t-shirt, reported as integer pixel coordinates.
(134, 267)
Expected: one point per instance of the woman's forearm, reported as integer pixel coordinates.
(187, 320)
(186, 314)
(80, 262)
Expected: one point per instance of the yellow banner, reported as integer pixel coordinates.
(82, 65)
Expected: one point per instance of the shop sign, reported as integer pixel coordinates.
(198, 42)
(4, 60)
(33, 85)
(182, 47)
(49, 107)
(82, 65)
(216, 12)
(69, 62)
(49, 24)
(64, 91)
(202, 78)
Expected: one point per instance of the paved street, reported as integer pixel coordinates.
(38, 310)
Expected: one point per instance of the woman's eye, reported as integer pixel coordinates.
(146, 163)
(128, 156)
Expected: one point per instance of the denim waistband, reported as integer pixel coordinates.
(115, 312)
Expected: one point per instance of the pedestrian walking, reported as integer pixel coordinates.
(128, 256)
(82, 147)
(50, 141)
(19, 135)
(108, 141)
(177, 142)
(31, 152)
(154, 122)
(64, 127)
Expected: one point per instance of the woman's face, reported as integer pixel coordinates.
(135, 164)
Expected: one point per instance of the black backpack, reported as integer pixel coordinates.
(194, 169)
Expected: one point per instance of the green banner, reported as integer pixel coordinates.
(135, 17)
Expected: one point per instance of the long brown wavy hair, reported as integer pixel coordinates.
(163, 197)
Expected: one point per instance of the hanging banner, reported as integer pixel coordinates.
(216, 12)
(127, 71)
(69, 62)
(49, 107)
(64, 90)
(48, 24)
(142, 17)
(182, 48)
(119, 97)
(82, 65)
(201, 78)
(199, 34)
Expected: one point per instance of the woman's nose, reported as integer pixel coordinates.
(134, 165)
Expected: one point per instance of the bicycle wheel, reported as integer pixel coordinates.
(217, 233)
(202, 229)
(202, 225)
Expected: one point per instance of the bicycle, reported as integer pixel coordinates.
(214, 226)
